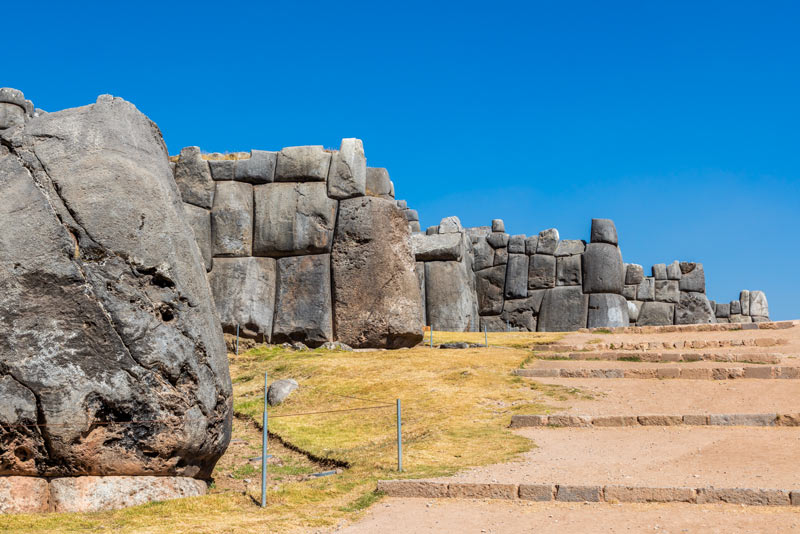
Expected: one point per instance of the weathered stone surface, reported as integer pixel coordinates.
(536, 492)
(516, 244)
(744, 299)
(483, 254)
(607, 310)
(419, 268)
(450, 225)
(199, 221)
(692, 277)
(501, 256)
(105, 313)
(402, 204)
(378, 183)
(492, 323)
(348, 173)
(194, 178)
(259, 168)
(645, 494)
(656, 314)
(746, 496)
(693, 308)
(660, 271)
(570, 247)
(634, 307)
(438, 247)
(629, 292)
(376, 293)
(735, 307)
(293, 219)
(547, 242)
(24, 495)
(722, 310)
(634, 273)
(489, 289)
(647, 289)
(563, 309)
(498, 239)
(451, 303)
(517, 276)
(414, 227)
(9, 95)
(222, 169)
(280, 390)
(432, 230)
(758, 304)
(520, 314)
(11, 115)
(475, 232)
(674, 271)
(244, 291)
(603, 270)
(579, 493)
(302, 164)
(303, 309)
(232, 220)
(541, 271)
(667, 291)
(604, 231)
(568, 270)
(498, 225)
(94, 494)
(531, 243)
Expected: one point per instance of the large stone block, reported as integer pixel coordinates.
(629, 292)
(483, 254)
(451, 302)
(95, 494)
(259, 168)
(348, 173)
(568, 270)
(232, 219)
(758, 304)
(656, 314)
(498, 225)
(744, 300)
(489, 284)
(603, 270)
(302, 164)
(222, 169)
(501, 256)
(519, 315)
(11, 115)
(517, 276)
(604, 231)
(693, 308)
(303, 304)
(542, 271)
(516, 244)
(438, 247)
(634, 307)
(376, 292)
(570, 247)
(450, 225)
(547, 242)
(667, 291)
(735, 307)
(378, 183)
(244, 292)
(674, 271)
(194, 178)
(498, 239)
(293, 219)
(607, 310)
(24, 495)
(531, 243)
(419, 268)
(722, 310)
(563, 309)
(634, 273)
(692, 277)
(105, 312)
(659, 271)
(199, 221)
(647, 289)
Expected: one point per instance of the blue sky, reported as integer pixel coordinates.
(679, 120)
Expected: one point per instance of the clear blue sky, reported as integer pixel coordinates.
(679, 120)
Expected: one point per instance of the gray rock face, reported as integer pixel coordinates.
(303, 304)
(302, 164)
(693, 278)
(634, 273)
(744, 299)
(660, 271)
(348, 173)
(607, 310)
(259, 168)
(542, 271)
(232, 219)
(372, 241)
(656, 314)
(516, 244)
(723, 310)
(492, 323)
(199, 221)
(693, 309)
(563, 309)
(244, 291)
(674, 271)
(603, 270)
(547, 242)
(530, 245)
(293, 219)
(14, 109)
(450, 307)
(758, 304)
(402, 204)
(280, 390)
(570, 247)
(629, 291)
(498, 225)
(501, 256)
(414, 227)
(647, 289)
(411, 215)
(517, 276)
(105, 313)
(667, 291)
(450, 225)
(419, 268)
(736, 307)
(568, 270)
(489, 289)
(520, 315)
(634, 307)
(604, 231)
(483, 254)
(498, 239)
(194, 178)
(222, 169)
(378, 183)
(438, 247)
(432, 230)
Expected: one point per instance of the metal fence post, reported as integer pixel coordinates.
(399, 437)
(264, 449)
(237, 339)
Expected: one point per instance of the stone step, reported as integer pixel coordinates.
(662, 345)
(576, 493)
(647, 356)
(719, 327)
(586, 421)
(674, 372)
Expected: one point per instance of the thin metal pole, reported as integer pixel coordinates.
(237, 339)
(399, 437)
(264, 449)
(431, 335)
(485, 337)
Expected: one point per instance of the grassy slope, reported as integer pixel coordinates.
(456, 408)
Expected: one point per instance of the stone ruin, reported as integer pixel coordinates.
(120, 270)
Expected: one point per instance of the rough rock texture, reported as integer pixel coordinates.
(604, 231)
(376, 294)
(437, 247)
(568, 270)
(378, 183)
(232, 220)
(450, 225)
(105, 312)
(489, 288)
(303, 310)
(450, 306)
(607, 310)
(634, 273)
(517, 276)
(259, 168)
(603, 270)
(674, 271)
(483, 254)
(547, 241)
(244, 291)
(419, 267)
(199, 221)
(542, 271)
(516, 244)
(293, 219)
(93, 494)
(692, 277)
(647, 289)
(656, 314)
(24, 495)
(634, 307)
(660, 271)
(744, 300)
(570, 247)
(302, 164)
(693, 308)
(563, 309)
(667, 291)
(348, 173)
(194, 178)
(280, 390)
(758, 304)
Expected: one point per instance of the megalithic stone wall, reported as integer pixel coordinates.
(304, 244)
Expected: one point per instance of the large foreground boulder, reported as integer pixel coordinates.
(109, 340)
(377, 300)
